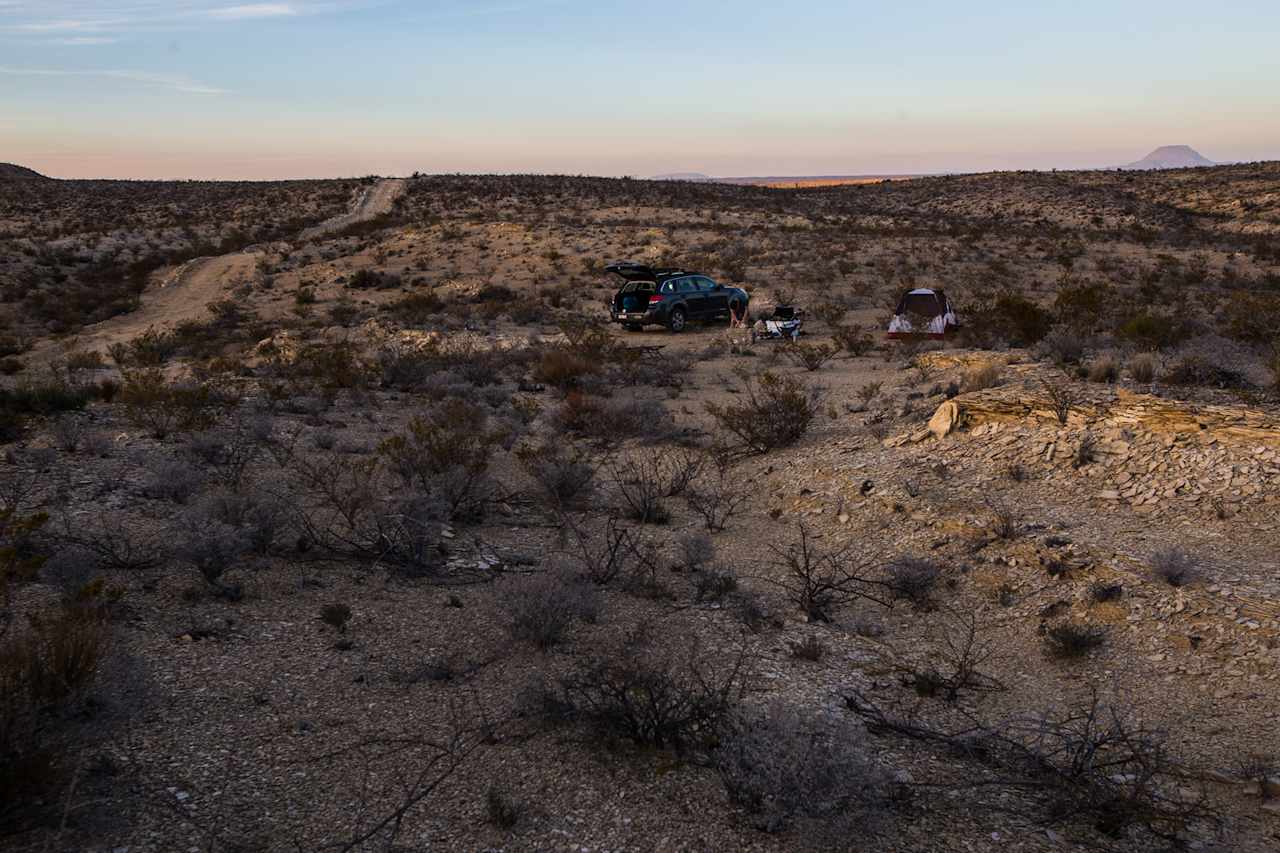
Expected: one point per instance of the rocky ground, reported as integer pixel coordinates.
(1062, 633)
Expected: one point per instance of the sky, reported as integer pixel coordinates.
(219, 89)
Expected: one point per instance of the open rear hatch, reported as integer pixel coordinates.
(640, 282)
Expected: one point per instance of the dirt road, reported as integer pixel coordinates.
(184, 294)
(375, 201)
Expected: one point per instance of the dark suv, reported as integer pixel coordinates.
(670, 297)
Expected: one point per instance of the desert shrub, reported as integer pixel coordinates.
(613, 420)
(504, 811)
(171, 479)
(714, 583)
(336, 616)
(810, 648)
(1151, 331)
(1104, 369)
(416, 308)
(1023, 322)
(68, 432)
(1005, 521)
(980, 378)
(46, 673)
(369, 279)
(1061, 346)
(775, 411)
(1176, 566)
(563, 476)
(1073, 640)
(913, 579)
(1081, 307)
(1251, 316)
(259, 515)
(1086, 451)
(1142, 367)
(540, 609)
(810, 356)
(853, 340)
(153, 403)
(564, 368)
(695, 550)
(665, 692)
(1101, 591)
(779, 766)
(447, 452)
(212, 548)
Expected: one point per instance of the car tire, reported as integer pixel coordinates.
(677, 320)
(633, 327)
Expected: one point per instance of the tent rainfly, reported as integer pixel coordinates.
(923, 313)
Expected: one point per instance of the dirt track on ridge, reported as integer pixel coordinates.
(373, 202)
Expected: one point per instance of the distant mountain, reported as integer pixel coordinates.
(696, 177)
(12, 172)
(1172, 157)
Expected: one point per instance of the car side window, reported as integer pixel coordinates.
(668, 287)
(687, 286)
(705, 283)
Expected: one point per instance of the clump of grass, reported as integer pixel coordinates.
(1176, 566)
(1071, 640)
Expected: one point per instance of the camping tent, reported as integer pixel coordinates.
(923, 312)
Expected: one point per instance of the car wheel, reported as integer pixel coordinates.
(633, 327)
(677, 320)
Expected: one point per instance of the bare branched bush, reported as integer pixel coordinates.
(775, 411)
(716, 498)
(1093, 762)
(957, 667)
(1060, 400)
(817, 583)
(1005, 521)
(780, 765)
(644, 480)
(667, 693)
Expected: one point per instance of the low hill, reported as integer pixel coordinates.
(1172, 157)
(14, 172)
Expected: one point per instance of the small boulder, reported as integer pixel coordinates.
(946, 419)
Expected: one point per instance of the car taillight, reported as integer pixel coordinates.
(657, 297)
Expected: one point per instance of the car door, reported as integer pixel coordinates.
(716, 298)
(693, 299)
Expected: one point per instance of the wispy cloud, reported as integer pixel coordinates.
(79, 16)
(176, 82)
(254, 10)
(85, 40)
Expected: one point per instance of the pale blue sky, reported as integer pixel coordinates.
(193, 88)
